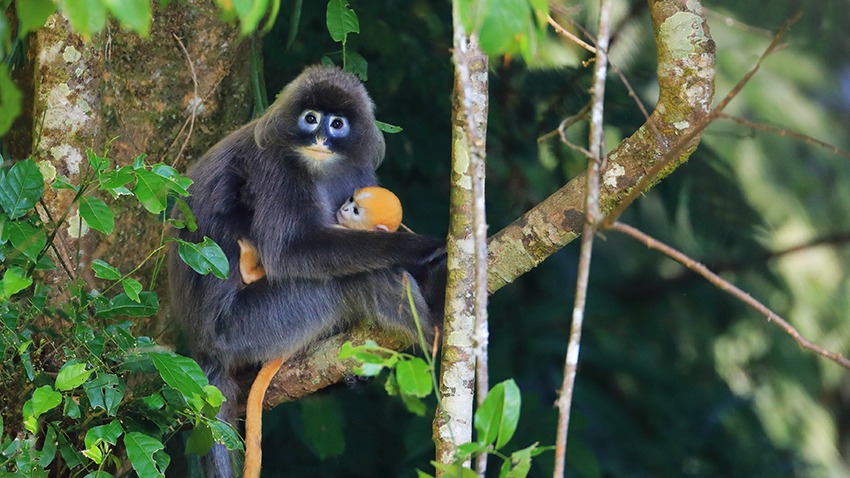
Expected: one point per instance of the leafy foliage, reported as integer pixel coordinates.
(91, 387)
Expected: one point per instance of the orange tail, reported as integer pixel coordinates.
(254, 418)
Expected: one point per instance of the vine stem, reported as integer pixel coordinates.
(592, 218)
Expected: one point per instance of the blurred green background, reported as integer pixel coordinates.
(676, 378)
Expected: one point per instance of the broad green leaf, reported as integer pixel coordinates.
(388, 128)
(139, 162)
(32, 14)
(413, 404)
(69, 453)
(414, 377)
(201, 440)
(10, 100)
(506, 21)
(140, 450)
(214, 396)
(97, 214)
(204, 257)
(72, 375)
(109, 433)
(26, 238)
(21, 188)
(86, 16)
(341, 20)
(117, 178)
(122, 304)
(181, 373)
(44, 398)
(132, 287)
(498, 415)
(72, 409)
(152, 190)
(356, 64)
(100, 474)
(135, 14)
(15, 280)
(106, 391)
(224, 433)
(49, 449)
(175, 181)
(102, 270)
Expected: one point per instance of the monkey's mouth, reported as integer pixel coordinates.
(319, 153)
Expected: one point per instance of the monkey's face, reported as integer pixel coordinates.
(354, 216)
(322, 136)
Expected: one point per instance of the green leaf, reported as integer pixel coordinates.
(15, 280)
(204, 257)
(43, 399)
(413, 404)
(10, 100)
(122, 304)
(99, 474)
(356, 64)
(86, 16)
(181, 373)
(135, 14)
(21, 188)
(69, 453)
(49, 449)
(109, 433)
(341, 20)
(414, 377)
(499, 414)
(201, 440)
(251, 19)
(140, 450)
(507, 20)
(26, 238)
(102, 270)
(116, 179)
(97, 163)
(72, 375)
(33, 15)
(388, 128)
(224, 433)
(294, 20)
(97, 214)
(188, 216)
(152, 190)
(175, 181)
(132, 287)
(72, 410)
(106, 391)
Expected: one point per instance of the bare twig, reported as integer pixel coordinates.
(728, 287)
(731, 22)
(783, 132)
(570, 35)
(685, 142)
(593, 216)
(619, 73)
(195, 102)
(582, 114)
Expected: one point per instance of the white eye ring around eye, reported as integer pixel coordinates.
(310, 120)
(338, 126)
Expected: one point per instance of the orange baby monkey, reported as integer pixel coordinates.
(368, 209)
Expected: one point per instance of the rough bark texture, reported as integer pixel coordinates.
(457, 372)
(140, 91)
(686, 80)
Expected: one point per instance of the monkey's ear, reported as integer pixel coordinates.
(381, 227)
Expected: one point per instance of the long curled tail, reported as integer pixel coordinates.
(254, 418)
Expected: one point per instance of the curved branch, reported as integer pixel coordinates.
(686, 81)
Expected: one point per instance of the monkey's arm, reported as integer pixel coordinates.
(335, 252)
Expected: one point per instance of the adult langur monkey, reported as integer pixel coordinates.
(278, 182)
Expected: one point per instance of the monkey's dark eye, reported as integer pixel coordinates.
(309, 120)
(338, 126)
(356, 212)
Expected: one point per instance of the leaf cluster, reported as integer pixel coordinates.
(81, 387)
